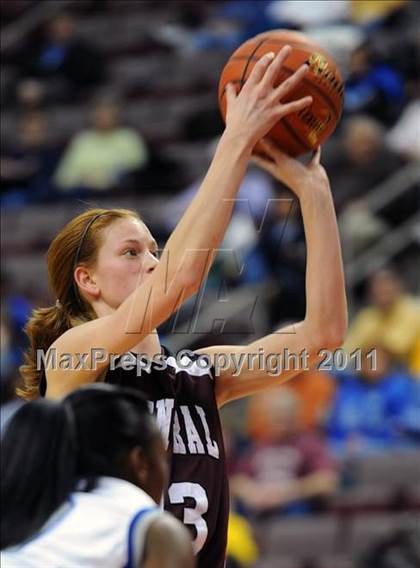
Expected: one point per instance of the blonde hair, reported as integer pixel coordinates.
(76, 244)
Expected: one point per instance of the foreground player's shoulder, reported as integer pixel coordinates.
(168, 544)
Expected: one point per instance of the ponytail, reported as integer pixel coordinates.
(38, 468)
(45, 326)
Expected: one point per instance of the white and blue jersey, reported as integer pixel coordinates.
(103, 528)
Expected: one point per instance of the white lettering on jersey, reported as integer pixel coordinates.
(163, 410)
(179, 446)
(212, 447)
(195, 444)
(190, 440)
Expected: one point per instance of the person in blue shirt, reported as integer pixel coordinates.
(373, 87)
(368, 407)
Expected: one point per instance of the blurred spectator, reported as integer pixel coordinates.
(8, 401)
(282, 244)
(368, 405)
(29, 162)
(314, 390)
(392, 318)
(308, 12)
(288, 472)
(410, 419)
(242, 260)
(404, 136)
(98, 158)
(373, 87)
(241, 546)
(415, 360)
(59, 59)
(366, 11)
(360, 160)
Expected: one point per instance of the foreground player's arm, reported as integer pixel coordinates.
(190, 250)
(325, 322)
(168, 545)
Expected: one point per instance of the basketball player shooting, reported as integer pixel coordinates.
(112, 293)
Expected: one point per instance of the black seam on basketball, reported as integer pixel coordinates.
(294, 135)
(249, 59)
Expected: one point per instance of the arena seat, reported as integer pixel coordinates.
(395, 469)
(363, 498)
(365, 529)
(278, 562)
(335, 562)
(312, 536)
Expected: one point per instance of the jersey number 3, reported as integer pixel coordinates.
(177, 493)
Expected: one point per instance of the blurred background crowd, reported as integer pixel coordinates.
(113, 103)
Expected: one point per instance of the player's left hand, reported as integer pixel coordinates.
(300, 178)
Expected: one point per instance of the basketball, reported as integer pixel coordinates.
(305, 130)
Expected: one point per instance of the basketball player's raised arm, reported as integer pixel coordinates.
(168, 545)
(325, 323)
(189, 252)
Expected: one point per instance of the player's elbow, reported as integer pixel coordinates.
(334, 338)
(330, 335)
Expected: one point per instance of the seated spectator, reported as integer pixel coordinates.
(242, 261)
(61, 61)
(415, 360)
(241, 545)
(9, 403)
(392, 318)
(314, 390)
(28, 163)
(366, 12)
(369, 405)
(409, 423)
(313, 13)
(282, 244)
(360, 160)
(98, 158)
(373, 87)
(289, 471)
(404, 136)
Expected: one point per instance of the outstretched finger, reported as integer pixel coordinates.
(273, 70)
(290, 83)
(317, 156)
(294, 106)
(259, 70)
(230, 94)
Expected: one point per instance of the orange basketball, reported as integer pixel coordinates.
(303, 131)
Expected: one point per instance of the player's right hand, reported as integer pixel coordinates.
(257, 108)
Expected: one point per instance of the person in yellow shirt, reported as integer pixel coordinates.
(241, 546)
(392, 319)
(96, 158)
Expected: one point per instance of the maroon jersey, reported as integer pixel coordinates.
(182, 398)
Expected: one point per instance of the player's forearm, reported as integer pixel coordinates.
(326, 304)
(203, 225)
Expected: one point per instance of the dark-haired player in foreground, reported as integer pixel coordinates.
(113, 292)
(79, 490)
